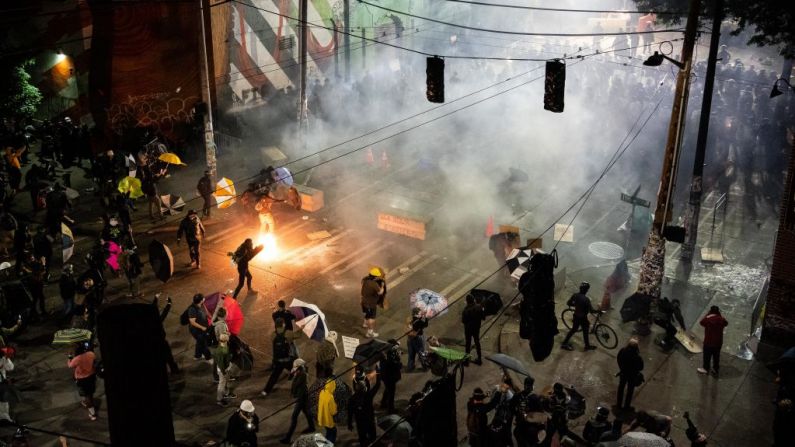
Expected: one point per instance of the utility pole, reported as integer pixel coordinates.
(652, 265)
(206, 78)
(696, 183)
(346, 38)
(302, 106)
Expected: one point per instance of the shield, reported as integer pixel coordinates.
(518, 262)
(171, 159)
(283, 176)
(70, 336)
(429, 302)
(310, 319)
(224, 193)
(67, 242)
(508, 362)
(234, 316)
(132, 186)
(171, 204)
(396, 428)
(491, 301)
(372, 352)
(641, 439)
(635, 306)
(161, 260)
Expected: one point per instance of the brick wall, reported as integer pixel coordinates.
(779, 321)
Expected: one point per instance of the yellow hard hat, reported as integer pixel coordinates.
(375, 271)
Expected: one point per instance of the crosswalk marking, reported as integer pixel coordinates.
(457, 282)
(352, 255)
(320, 245)
(464, 290)
(413, 270)
(306, 245)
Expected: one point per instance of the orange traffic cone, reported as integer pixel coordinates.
(384, 160)
(370, 157)
(490, 227)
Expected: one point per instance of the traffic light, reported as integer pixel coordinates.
(554, 85)
(434, 80)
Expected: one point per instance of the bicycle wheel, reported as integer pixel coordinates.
(568, 318)
(606, 336)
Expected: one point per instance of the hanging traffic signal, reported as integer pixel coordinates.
(434, 79)
(554, 85)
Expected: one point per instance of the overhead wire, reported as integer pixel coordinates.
(594, 11)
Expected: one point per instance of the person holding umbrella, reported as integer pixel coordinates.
(300, 393)
(242, 256)
(206, 189)
(373, 292)
(85, 375)
(193, 230)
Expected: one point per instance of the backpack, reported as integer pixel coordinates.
(184, 319)
(281, 349)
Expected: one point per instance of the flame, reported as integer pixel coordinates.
(271, 247)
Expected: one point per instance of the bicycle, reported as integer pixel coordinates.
(605, 335)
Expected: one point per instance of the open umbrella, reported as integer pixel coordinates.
(312, 440)
(398, 428)
(518, 262)
(450, 354)
(491, 301)
(171, 204)
(224, 193)
(310, 319)
(131, 165)
(70, 336)
(234, 315)
(429, 302)
(283, 176)
(132, 186)
(642, 439)
(171, 159)
(114, 250)
(67, 242)
(372, 352)
(161, 260)
(508, 362)
(635, 306)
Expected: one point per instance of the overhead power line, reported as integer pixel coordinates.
(517, 33)
(594, 11)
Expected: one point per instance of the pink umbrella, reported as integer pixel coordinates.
(114, 250)
(234, 316)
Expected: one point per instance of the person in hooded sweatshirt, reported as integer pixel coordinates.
(713, 323)
(327, 409)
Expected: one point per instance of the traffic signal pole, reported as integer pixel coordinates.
(652, 265)
(696, 183)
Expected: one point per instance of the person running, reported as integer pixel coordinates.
(300, 394)
(582, 307)
(85, 376)
(713, 324)
(373, 291)
(630, 365)
(191, 226)
(283, 354)
(206, 189)
(242, 256)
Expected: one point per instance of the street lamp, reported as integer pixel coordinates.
(776, 92)
(656, 60)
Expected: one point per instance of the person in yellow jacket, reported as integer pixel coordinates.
(327, 409)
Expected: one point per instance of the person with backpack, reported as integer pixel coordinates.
(471, 317)
(191, 226)
(196, 319)
(389, 370)
(283, 354)
(299, 391)
(206, 189)
(242, 256)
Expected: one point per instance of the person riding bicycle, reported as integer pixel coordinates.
(582, 307)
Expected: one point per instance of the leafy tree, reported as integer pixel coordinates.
(773, 21)
(18, 97)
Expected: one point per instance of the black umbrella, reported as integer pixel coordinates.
(635, 306)
(508, 362)
(399, 429)
(518, 262)
(367, 354)
(491, 301)
(161, 260)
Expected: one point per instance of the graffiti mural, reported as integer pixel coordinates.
(159, 111)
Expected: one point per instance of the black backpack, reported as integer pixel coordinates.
(281, 349)
(184, 319)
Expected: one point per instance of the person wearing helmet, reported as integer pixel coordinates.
(597, 426)
(373, 291)
(243, 425)
(582, 307)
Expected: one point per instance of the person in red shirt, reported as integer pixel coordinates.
(713, 324)
(85, 376)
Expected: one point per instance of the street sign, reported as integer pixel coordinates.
(634, 200)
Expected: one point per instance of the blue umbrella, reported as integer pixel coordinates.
(310, 319)
(429, 302)
(282, 175)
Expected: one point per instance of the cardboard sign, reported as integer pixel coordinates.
(564, 233)
(404, 225)
(349, 345)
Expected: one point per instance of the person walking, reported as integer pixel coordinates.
(205, 188)
(390, 368)
(284, 314)
(223, 364)
(300, 394)
(133, 268)
(373, 291)
(191, 226)
(85, 376)
(242, 427)
(582, 307)
(360, 407)
(67, 286)
(326, 355)
(149, 188)
(477, 419)
(471, 317)
(242, 256)
(630, 365)
(283, 354)
(713, 324)
(197, 325)
(327, 410)
(416, 341)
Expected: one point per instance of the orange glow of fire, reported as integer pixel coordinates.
(270, 250)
